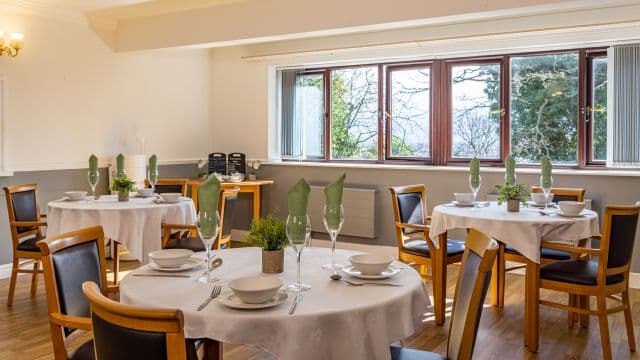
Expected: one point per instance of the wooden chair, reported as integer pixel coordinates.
(414, 245)
(547, 255)
(471, 290)
(185, 236)
(604, 277)
(170, 186)
(25, 222)
(69, 260)
(123, 332)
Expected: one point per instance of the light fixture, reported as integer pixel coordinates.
(12, 46)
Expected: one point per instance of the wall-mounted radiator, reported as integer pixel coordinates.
(359, 211)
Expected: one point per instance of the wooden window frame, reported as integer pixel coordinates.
(586, 113)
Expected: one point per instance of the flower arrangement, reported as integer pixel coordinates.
(202, 164)
(253, 166)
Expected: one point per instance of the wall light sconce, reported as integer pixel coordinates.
(11, 45)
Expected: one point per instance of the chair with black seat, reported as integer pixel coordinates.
(604, 277)
(414, 244)
(123, 332)
(185, 236)
(471, 290)
(164, 186)
(547, 255)
(25, 222)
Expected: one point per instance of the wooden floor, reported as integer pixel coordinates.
(24, 331)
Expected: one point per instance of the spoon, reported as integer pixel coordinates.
(216, 263)
(336, 275)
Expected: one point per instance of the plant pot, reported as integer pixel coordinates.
(252, 177)
(273, 261)
(123, 196)
(513, 205)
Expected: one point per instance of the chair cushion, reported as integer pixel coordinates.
(30, 244)
(419, 247)
(83, 352)
(191, 243)
(545, 253)
(398, 353)
(581, 272)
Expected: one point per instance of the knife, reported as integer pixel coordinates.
(296, 301)
(163, 275)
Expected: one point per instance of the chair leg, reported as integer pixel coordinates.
(12, 282)
(628, 321)
(584, 303)
(34, 278)
(604, 328)
(116, 261)
(572, 317)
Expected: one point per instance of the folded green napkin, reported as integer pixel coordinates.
(208, 197)
(120, 166)
(474, 172)
(510, 176)
(545, 166)
(298, 199)
(153, 168)
(93, 169)
(333, 200)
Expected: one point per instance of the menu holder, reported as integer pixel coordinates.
(217, 163)
(236, 163)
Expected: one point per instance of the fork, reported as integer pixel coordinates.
(215, 292)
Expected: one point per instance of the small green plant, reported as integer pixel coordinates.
(268, 233)
(518, 192)
(123, 185)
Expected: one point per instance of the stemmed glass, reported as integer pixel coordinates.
(208, 233)
(298, 230)
(545, 185)
(153, 181)
(94, 178)
(331, 214)
(475, 186)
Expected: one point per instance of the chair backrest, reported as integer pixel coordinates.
(227, 206)
(164, 186)
(471, 289)
(618, 237)
(123, 332)
(22, 205)
(409, 205)
(563, 194)
(69, 260)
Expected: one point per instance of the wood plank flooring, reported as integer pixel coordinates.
(24, 331)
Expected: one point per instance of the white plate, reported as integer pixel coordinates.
(391, 271)
(192, 263)
(228, 298)
(454, 202)
(561, 214)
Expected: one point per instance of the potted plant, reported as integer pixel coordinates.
(269, 233)
(123, 185)
(252, 167)
(513, 194)
(202, 169)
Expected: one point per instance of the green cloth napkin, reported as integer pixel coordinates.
(120, 166)
(298, 200)
(93, 169)
(474, 172)
(153, 168)
(208, 197)
(510, 176)
(545, 166)
(333, 200)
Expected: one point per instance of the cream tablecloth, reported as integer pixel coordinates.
(334, 320)
(135, 223)
(524, 230)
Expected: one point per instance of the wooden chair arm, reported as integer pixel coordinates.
(43, 215)
(413, 226)
(571, 249)
(28, 223)
(75, 322)
(179, 227)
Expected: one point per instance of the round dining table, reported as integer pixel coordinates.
(334, 320)
(135, 223)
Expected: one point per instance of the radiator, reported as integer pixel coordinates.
(359, 211)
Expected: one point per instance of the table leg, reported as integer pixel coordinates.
(439, 269)
(531, 315)
(256, 202)
(212, 349)
(497, 279)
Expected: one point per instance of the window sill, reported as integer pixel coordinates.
(559, 171)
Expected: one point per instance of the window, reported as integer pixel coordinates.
(309, 109)
(596, 112)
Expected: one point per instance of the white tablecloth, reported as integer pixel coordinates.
(135, 223)
(524, 230)
(334, 320)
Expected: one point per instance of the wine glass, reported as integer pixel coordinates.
(545, 185)
(153, 179)
(474, 184)
(298, 232)
(333, 219)
(208, 231)
(94, 178)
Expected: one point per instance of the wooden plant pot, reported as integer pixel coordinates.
(273, 261)
(123, 196)
(513, 205)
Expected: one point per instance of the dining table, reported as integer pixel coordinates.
(334, 320)
(524, 231)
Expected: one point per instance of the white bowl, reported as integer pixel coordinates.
(255, 289)
(170, 258)
(171, 197)
(571, 207)
(76, 195)
(145, 192)
(464, 198)
(236, 177)
(370, 264)
(538, 198)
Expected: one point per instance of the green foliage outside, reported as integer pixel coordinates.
(268, 233)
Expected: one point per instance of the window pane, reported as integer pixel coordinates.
(544, 108)
(354, 113)
(410, 107)
(475, 110)
(599, 109)
(310, 113)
